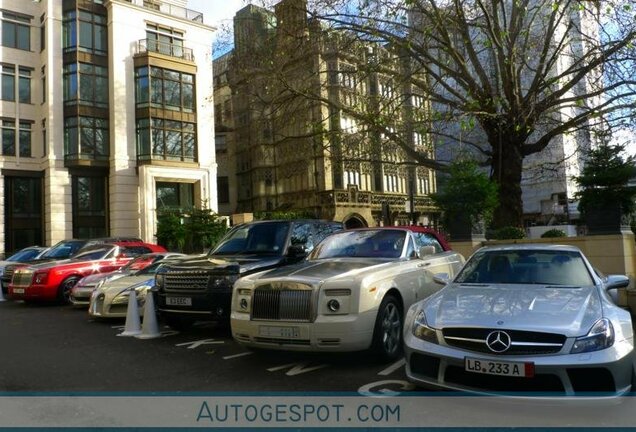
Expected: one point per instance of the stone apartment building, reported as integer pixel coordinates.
(105, 117)
(290, 128)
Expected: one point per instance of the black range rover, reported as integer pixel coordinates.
(200, 288)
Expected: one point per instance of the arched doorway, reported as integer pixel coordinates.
(354, 221)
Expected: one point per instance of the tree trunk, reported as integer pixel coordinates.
(507, 166)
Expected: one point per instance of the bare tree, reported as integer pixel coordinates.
(503, 79)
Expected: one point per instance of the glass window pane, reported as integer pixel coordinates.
(86, 35)
(188, 146)
(157, 91)
(142, 90)
(143, 141)
(25, 143)
(172, 93)
(170, 74)
(101, 90)
(101, 38)
(8, 34)
(8, 87)
(173, 144)
(101, 143)
(70, 34)
(83, 194)
(188, 96)
(25, 90)
(157, 143)
(167, 195)
(85, 87)
(8, 142)
(87, 140)
(70, 138)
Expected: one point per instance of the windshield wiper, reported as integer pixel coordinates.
(563, 286)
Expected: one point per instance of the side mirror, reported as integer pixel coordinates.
(296, 251)
(426, 251)
(441, 278)
(613, 282)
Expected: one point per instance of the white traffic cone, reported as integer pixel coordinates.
(150, 328)
(133, 323)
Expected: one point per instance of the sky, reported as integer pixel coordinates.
(217, 12)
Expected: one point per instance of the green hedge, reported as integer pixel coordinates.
(510, 233)
(553, 233)
(189, 230)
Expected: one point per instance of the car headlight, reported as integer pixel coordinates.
(421, 330)
(243, 300)
(100, 284)
(600, 336)
(122, 297)
(159, 281)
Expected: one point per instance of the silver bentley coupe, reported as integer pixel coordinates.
(523, 318)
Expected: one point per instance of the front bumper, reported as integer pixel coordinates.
(103, 306)
(605, 372)
(211, 306)
(81, 296)
(352, 332)
(32, 292)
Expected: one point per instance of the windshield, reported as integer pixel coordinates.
(151, 269)
(267, 238)
(381, 243)
(139, 263)
(24, 255)
(90, 255)
(63, 249)
(541, 267)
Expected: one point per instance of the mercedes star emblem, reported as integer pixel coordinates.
(498, 341)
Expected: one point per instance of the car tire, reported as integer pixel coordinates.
(387, 333)
(178, 323)
(64, 290)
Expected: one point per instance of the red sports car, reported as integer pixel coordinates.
(54, 280)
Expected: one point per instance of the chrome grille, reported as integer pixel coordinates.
(8, 272)
(275, 304)
(186, 281)
(522, 342)
(22, 278)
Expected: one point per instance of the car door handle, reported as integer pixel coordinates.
(426, 264)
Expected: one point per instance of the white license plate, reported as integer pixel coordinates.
(179, 301)
(489, 367)
(18, 290)
(279, 332)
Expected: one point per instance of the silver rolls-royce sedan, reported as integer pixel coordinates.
(350, 294)
(523, 318)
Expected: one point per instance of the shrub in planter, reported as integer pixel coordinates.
(553, 233)
(467, 198)
(605, 199)
(510, 233)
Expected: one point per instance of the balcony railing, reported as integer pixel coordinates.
(169, 49)
(170, 9)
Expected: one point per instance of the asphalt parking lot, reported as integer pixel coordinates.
(52, 348)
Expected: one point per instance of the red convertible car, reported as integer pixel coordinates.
(54, 280)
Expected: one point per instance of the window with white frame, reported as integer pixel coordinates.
(423, 185)
(351, 177)
(348, 124)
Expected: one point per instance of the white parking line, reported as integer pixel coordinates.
(198, 343)
(395, 366)
(238, 355)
